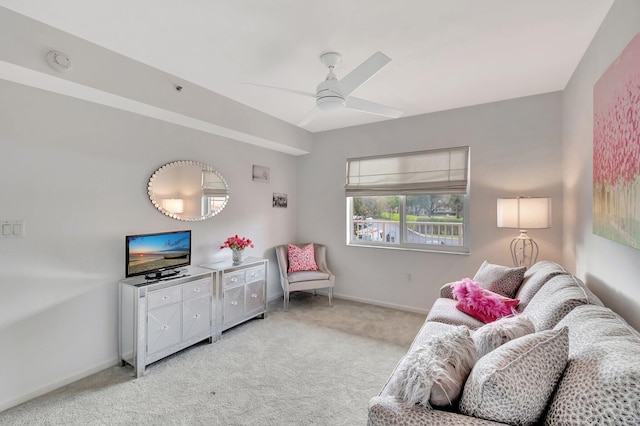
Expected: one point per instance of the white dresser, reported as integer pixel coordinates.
(161, 317)
(244, 289)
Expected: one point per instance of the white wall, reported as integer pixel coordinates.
(610, 269)
(514, 151)
(77, 173)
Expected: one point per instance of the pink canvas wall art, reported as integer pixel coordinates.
(616, 149)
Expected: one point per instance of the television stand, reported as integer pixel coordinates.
(159, 318)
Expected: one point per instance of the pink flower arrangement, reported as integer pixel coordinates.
(237, 243)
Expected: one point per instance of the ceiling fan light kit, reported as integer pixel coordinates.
(333, 94)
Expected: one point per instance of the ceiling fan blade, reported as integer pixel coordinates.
(363, 72)
(297, 92)
(372, 107)
(312, 114)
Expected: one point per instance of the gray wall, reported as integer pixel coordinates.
(76, 173)
(514, 151)
(610, 269)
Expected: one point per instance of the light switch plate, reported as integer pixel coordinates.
(12, 228)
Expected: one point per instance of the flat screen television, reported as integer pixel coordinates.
(157, 255)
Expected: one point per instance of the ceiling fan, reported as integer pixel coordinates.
(334, 94)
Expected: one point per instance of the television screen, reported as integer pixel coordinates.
(157, 255)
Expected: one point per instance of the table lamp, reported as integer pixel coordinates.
(524, 213)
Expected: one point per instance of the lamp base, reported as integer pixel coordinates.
(524, 251)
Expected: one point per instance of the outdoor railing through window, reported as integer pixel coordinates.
(388, 231)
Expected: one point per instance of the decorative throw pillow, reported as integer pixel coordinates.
(503, 330)
(302, 259)
(513, 383)
(434, 373)
(483, 304)
(446, 290)
(500, 279)
(534, 278)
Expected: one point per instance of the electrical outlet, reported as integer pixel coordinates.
(12, 228)
(409, 278)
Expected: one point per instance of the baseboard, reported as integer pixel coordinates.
(383, 304)
(4, 405)
(362, 300)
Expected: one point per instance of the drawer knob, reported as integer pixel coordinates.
(196, 316)
(234, 279)
(234, 303)
(255, 296)
(165, 327)
(165, 297)
(196, 290)
(253, 274)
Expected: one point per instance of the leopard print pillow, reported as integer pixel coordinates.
(500, 279)
(514, 383)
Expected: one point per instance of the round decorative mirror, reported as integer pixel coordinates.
(188, 190)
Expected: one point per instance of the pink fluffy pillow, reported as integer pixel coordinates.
(302, 259)
(480, 303)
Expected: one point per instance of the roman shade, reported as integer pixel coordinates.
(441, 171)
(213, 185)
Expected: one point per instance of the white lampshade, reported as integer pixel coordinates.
(173, 205)
(524, 212)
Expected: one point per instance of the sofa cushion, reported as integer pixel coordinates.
(556, 299)
(444, 310)
(601, 384)
(513, 383)
(385, 411)
(435, 372)
(481, 303)
(500, 279)
(296, 277)
(534, 278)
(495, 334)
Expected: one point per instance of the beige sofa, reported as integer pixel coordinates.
(600, 383)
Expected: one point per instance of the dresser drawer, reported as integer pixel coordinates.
(196, 317)
(255, 274)
(163, 328)
(196, 289)
(233, 304)
(234, 278)
(165, 297)
(254, 297)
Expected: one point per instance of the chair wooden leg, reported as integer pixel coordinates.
(286, 301)
(331, 296)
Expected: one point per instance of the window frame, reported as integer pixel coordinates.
(402, 198)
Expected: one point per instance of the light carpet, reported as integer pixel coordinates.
(313, 365)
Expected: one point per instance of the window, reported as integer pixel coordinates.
(416, 200)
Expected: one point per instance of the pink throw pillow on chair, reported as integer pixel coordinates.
(302, 259)
(480, 303)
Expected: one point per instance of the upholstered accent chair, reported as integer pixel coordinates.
(305, 280)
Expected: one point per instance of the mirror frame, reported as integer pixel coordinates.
(185, 163)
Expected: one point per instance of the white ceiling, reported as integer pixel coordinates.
(445, 53)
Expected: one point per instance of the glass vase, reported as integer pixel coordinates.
(236, 256)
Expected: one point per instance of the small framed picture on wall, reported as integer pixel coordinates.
(261, 174)
(279, 200)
